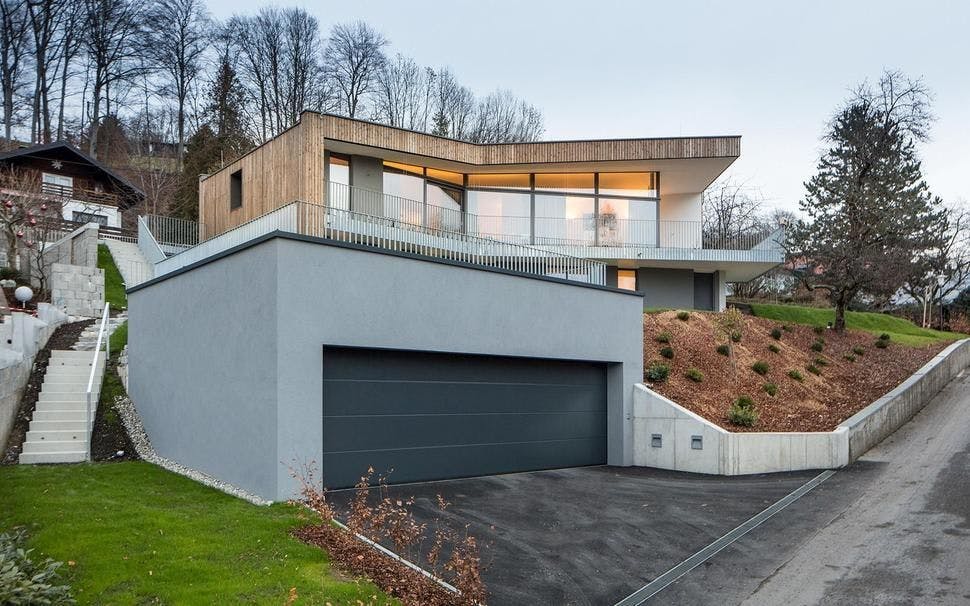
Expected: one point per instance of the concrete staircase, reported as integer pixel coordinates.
(130, 261)
(89, 338)
(58, 429)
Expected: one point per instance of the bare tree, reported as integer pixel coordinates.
(353, 60)
(69, 45)
(113, 42)
(14, 50)
(500, 117)
(178, 43)
(402, 94)
(939, 273)
(730, 210)
(454, 107)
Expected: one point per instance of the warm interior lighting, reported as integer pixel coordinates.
(629, 184)
(569, 182)
(508, 181)
(446, 176)
(626, 279)
(405, 168)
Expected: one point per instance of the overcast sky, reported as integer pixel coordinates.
(772, 72)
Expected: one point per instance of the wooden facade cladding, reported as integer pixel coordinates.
(291, 166)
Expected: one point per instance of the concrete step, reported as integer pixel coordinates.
(72, 379)
(67, 386)
(56, 435)
(72, 456)
(49, 401)
(60, 414)
(59, 424)
(54, 447)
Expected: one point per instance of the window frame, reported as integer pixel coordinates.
(235, 190)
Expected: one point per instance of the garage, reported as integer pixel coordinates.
(418, 416)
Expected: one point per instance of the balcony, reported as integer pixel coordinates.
(601, 237)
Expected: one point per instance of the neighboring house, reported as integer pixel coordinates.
(361, 296)
(86, 190)
(634, 204)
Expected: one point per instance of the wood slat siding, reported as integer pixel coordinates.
(291, 166)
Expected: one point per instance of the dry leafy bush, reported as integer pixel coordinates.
(760, 367)
(452, 556)
(663, 337)
(694, 375)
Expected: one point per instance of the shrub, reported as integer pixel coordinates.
(818, 346)
(743, 412)
(667, 352)
(760, 367)
(859, 351)
(657, 372)
(724, 350)
(736, 336)
(776, 334)
(884, 336)
(820, 361)
(773, 348)
(663, 337)
(786, 328)
(881, 344)
(694, 375)
(683, 316)
(819, 330)
(10, 273)
(813, 369)
(770, 388)
(794, 374)
(849, 357)
(24, 581)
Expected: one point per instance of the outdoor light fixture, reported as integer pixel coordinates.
(697, 442)
(656, 440)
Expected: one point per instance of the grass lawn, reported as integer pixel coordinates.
(114, 286)
(901, 331)
(133, 533)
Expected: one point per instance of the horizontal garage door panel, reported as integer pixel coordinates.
(434, 416)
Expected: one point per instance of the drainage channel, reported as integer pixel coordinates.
(671, 576)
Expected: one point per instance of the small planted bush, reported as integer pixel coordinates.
(819, 330)
(818, 346)
(724, 350)
(813, 369)
(667, 352)
(820, 361)
(773, 348)
(882, 344)
(694, 375)
(770, 388)
(760, 367)
(859, 351)
(786, 328)
(884, 336)
(736, 336)
(663, 337)
(683, 316)
(849, 357)
(657, 372)
(796, 375)
(743, 412)
(776, 334)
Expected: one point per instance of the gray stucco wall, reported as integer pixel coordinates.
(265, 345)
(666, 287)
(202, 359)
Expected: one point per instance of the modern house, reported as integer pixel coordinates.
(86, 190)
(357, 296)
(633, 204)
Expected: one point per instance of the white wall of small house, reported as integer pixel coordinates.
(110, 212)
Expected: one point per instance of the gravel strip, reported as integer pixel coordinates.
(143, 446)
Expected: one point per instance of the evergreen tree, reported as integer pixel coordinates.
(870, 213)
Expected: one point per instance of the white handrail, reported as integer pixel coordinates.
(94, 368)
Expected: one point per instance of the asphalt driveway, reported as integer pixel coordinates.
(591, 535)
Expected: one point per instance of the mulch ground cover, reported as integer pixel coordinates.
(818, 402)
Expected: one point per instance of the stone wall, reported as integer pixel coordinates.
(77, 290)
(21, 337)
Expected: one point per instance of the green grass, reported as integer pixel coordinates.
(114, 285)
(133, 533)
(902, 331)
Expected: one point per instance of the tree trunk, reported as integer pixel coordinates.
(840, 315)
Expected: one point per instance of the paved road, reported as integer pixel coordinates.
(893, 528)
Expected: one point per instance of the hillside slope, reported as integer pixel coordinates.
(816, 403)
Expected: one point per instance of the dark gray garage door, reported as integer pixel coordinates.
(429, 416)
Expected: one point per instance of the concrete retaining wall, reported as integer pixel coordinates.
(77, 290)
(688, 442)
(722, 452)
(875, 422)
(21, 337)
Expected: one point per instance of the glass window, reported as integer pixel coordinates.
(642, 185)
(446, 176)
(626, 279)
(502, 215)
(623, 222)
(500, 181)
(577, 183)
(338, 190)
(564, 219)
(444, 207)
(403, 197)
(403, 168)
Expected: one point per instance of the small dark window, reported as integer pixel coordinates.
(81, 217)
(235, 190)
